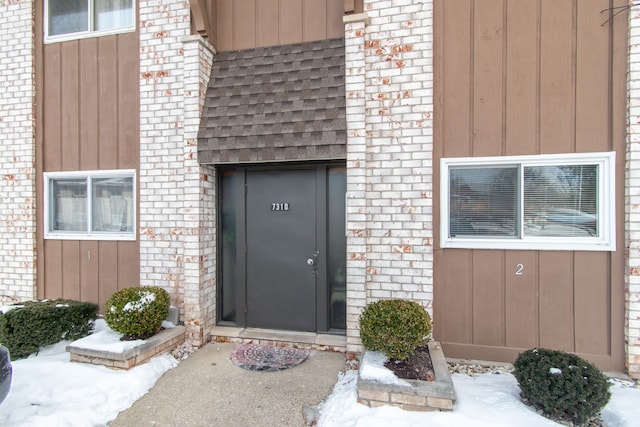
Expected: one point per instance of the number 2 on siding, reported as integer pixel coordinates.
(519, 269)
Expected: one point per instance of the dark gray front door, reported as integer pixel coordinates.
(281, 249)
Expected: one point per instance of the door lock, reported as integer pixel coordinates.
(311, 262)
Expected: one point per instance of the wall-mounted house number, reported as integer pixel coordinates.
(278, 206)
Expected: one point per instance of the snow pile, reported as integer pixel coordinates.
(49, 390)
(623, 410)
(484, 400)
(7, 308)
(373, 369)
(104, 338)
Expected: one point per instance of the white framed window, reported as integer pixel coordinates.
(542, 202)
(74, 19)
(90, 205)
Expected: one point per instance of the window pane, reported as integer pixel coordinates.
(228, 204)
(483, 201)
(68, 205)
(68, 16)
(113, 14)
(113, 204)
(561, 200)
(337, 248)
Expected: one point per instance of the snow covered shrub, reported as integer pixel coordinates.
(564, 386)
(137, 312)
(394, 327)
(27, 326)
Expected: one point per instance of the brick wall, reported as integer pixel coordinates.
(17, 157)
(175, 235)
(632, 201)
(199, 196)
(389, 81)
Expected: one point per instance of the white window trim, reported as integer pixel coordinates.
(85, 34)
(89, 235)
(606, 206)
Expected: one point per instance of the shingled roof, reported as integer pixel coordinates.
(275, 103)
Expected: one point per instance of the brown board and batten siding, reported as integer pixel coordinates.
(247, 24)
(87, 118)
(523, 77)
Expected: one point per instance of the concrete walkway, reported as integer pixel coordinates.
(207, 389)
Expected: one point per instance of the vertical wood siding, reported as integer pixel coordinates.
(88, 120)
(516, 77)
(247, 24)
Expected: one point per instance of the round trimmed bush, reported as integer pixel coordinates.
(394, 327)
(562, 385)
(137, 312)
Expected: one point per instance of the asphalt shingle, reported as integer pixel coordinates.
(275, 103)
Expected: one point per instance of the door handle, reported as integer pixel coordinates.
(311, 262)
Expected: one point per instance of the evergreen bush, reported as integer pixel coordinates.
(562, 385)
(25, 327)
(394, 327)
(137, 312)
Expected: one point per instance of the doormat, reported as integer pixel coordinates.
(267, 358)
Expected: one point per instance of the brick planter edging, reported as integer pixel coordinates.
(163, 341)
(437, 395)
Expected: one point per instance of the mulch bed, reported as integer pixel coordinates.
(417, 367)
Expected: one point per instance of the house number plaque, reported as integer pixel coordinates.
(279, 206)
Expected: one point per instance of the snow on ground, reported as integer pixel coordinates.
(373, 369)
(49, 390)
(484, 400)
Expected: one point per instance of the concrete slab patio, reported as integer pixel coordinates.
(207, 389)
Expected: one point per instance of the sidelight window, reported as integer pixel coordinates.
(90, 205)
(67, 19)
(563, 202)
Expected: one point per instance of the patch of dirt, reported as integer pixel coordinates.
(417, 367)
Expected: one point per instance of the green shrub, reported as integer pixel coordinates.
(137, 312)
(564, 386)
(394, 327)
(34, 324)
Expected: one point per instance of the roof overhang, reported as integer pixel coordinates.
(275, 103)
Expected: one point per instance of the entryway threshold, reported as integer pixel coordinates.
(309, 340)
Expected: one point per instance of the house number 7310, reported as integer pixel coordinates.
(519, 269)
(278, 206)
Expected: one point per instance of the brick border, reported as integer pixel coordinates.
(437, 395)
(165, 341)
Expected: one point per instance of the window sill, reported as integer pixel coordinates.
(86, 35)
(111, 237)
(569, 244)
